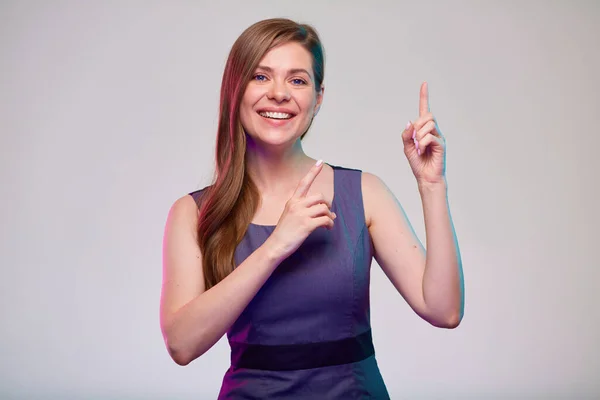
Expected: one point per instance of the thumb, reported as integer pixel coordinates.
(407, 134)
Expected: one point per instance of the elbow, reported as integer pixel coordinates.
(451, 321)
(183, 349)
(183, 353)
(180, 358)
(178, 352)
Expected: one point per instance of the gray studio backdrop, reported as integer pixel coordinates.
(108, 113)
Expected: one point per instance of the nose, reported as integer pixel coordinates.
(278, 92)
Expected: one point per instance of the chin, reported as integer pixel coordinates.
(285, 133)
(277, 139)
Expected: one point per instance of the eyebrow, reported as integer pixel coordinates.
(291, 71)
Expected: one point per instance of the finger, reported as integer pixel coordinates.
(407, 133)
(428, 141)
(325, 222)
(429, 127)
(422, 120)
(315, 199)
(320, 210)
(424, 99)
(307, 181)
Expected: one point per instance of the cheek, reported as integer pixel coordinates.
(250, 98)
(306, 101)
(246, 108)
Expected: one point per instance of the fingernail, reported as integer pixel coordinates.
(318, 164)
(419, 151)
(407, 125)
(334, 215)
(414, 133)
(417, 144)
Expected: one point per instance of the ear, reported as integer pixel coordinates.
(319, 100)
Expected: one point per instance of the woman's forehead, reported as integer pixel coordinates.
(287, 57)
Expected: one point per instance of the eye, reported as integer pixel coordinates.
(298, 81)
(260, 77)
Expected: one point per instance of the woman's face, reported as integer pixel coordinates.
(281, 99)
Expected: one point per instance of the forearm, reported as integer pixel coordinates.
(443, 289)
(197, 326)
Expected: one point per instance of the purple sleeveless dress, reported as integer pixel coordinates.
(307, 334)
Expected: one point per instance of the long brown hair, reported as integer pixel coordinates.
(228, 205)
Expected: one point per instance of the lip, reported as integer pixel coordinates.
(276, 122)
(277, 109)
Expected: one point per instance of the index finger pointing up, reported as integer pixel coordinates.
(308, 179)
(424, 100)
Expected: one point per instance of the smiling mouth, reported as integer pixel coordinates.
(275, 115)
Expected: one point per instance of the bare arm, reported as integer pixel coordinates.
(192, 319)
(443, 286)
(431, 282)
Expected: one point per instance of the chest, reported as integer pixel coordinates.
(272, 206)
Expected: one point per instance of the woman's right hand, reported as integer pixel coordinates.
(301, 216)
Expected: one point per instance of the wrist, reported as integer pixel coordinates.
(430, 187)
(272, 252)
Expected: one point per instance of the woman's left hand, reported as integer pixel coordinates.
(424, 145)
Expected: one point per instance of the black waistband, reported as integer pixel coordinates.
(302, 356)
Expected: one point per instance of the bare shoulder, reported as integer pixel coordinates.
(184, 211)
(370, 181)
(183, 278)
(182, 220)
(375, 192)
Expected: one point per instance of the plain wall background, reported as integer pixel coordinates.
(108, 113)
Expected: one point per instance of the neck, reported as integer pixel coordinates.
(277, 172)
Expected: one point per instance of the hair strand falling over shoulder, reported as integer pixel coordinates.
(229, 204)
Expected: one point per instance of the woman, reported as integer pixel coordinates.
(277, 251)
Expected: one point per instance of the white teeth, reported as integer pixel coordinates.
(275, 115)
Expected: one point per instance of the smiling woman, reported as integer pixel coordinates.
(277, 251)
(282, 97)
